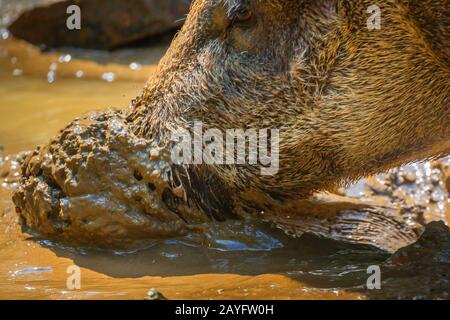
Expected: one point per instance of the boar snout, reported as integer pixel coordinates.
(97, 182)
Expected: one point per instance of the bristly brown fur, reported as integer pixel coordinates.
(349, 102)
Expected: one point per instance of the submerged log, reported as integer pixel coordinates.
(105, 24)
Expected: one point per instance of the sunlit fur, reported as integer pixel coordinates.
(349, 102)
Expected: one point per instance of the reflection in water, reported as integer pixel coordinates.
(236, 261)
(257, 250)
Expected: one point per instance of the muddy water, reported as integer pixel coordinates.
(236, 261)
(40, 93)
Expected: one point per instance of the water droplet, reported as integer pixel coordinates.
(79, 74)
(17, 72)
(135, 66)
(4, 34)
(51, 76)
(410, 177)
(65, 58)
(171, 255)
(108, 76)
(436, 196)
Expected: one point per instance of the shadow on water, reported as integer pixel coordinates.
(321, 263)
(419, 271)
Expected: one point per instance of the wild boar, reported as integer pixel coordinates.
(348, 100)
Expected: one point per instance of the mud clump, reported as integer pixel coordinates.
(422, 188)
(98, 183)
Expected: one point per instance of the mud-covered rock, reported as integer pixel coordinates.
(105, 24)
(97, 183)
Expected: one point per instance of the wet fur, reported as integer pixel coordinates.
(349, 102)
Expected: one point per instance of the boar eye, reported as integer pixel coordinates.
(240, 15)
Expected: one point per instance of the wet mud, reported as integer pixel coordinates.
(318, 248)
(389, 210)
(237, 259)
(325, 242)
(99, 184)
